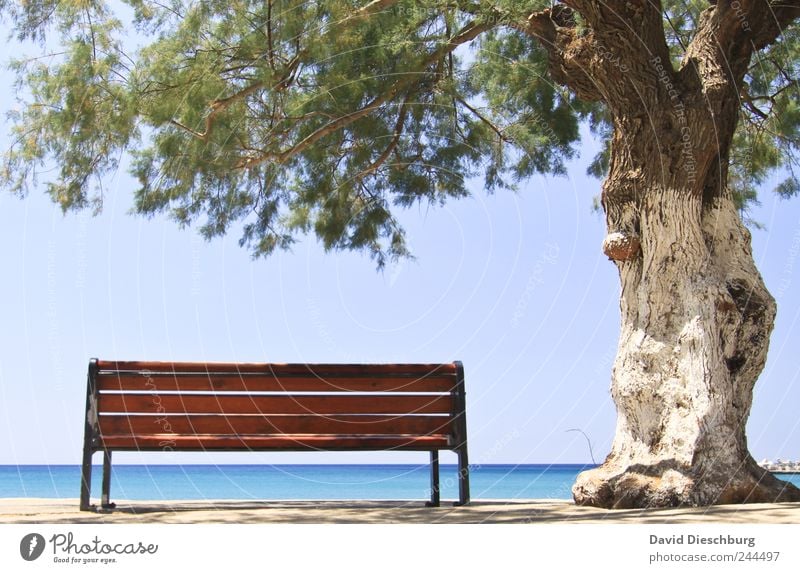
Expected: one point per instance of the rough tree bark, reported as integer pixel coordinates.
(696, 316)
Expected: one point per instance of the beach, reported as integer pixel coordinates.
(59, 511)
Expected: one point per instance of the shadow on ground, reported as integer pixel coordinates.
(545, 511)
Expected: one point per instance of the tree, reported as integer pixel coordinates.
(288, 117)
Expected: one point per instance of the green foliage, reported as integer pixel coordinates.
(79, 110)
(539, 119)
(768, 138)
(288, 117)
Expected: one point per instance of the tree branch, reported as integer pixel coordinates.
(270, 43)
(219, 105)
(471, 31)
(753, 107)
(189, 130)
(554, 28)
(398, 133)
(622, 39)
(487, 121)
(729, 33)
(781, 14)
(639, 22)
(583, 7)
(368, 10)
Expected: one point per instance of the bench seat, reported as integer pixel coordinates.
(183, 406)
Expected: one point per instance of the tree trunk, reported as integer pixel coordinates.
(696, 316)
(696, 320)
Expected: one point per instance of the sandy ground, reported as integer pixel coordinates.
(26, 510)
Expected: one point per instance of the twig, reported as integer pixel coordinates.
(588, 441)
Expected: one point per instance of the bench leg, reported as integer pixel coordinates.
(463, 477)
(89, 427)
(104, 503)
(435, 488)
(86, 479)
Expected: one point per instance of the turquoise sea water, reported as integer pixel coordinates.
(268, 482)
(282, 482)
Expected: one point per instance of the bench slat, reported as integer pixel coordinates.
(298, 404)
(268, 383)
(320, 370)
(167, 442)
(227, 425)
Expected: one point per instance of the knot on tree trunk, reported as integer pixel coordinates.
(621, 246)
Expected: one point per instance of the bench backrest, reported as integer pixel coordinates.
(202, 406)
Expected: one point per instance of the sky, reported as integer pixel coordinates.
(513, 284)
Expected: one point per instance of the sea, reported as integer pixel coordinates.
(295, 482)
(290, 482)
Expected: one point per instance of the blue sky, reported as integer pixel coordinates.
(513, 284)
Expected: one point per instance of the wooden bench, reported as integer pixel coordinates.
(172, 406)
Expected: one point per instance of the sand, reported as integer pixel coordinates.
(27, 510)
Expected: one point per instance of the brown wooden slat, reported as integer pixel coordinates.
(226, 425)
(299, 404)
(167, 442)
(266, 383)
(318, 370)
